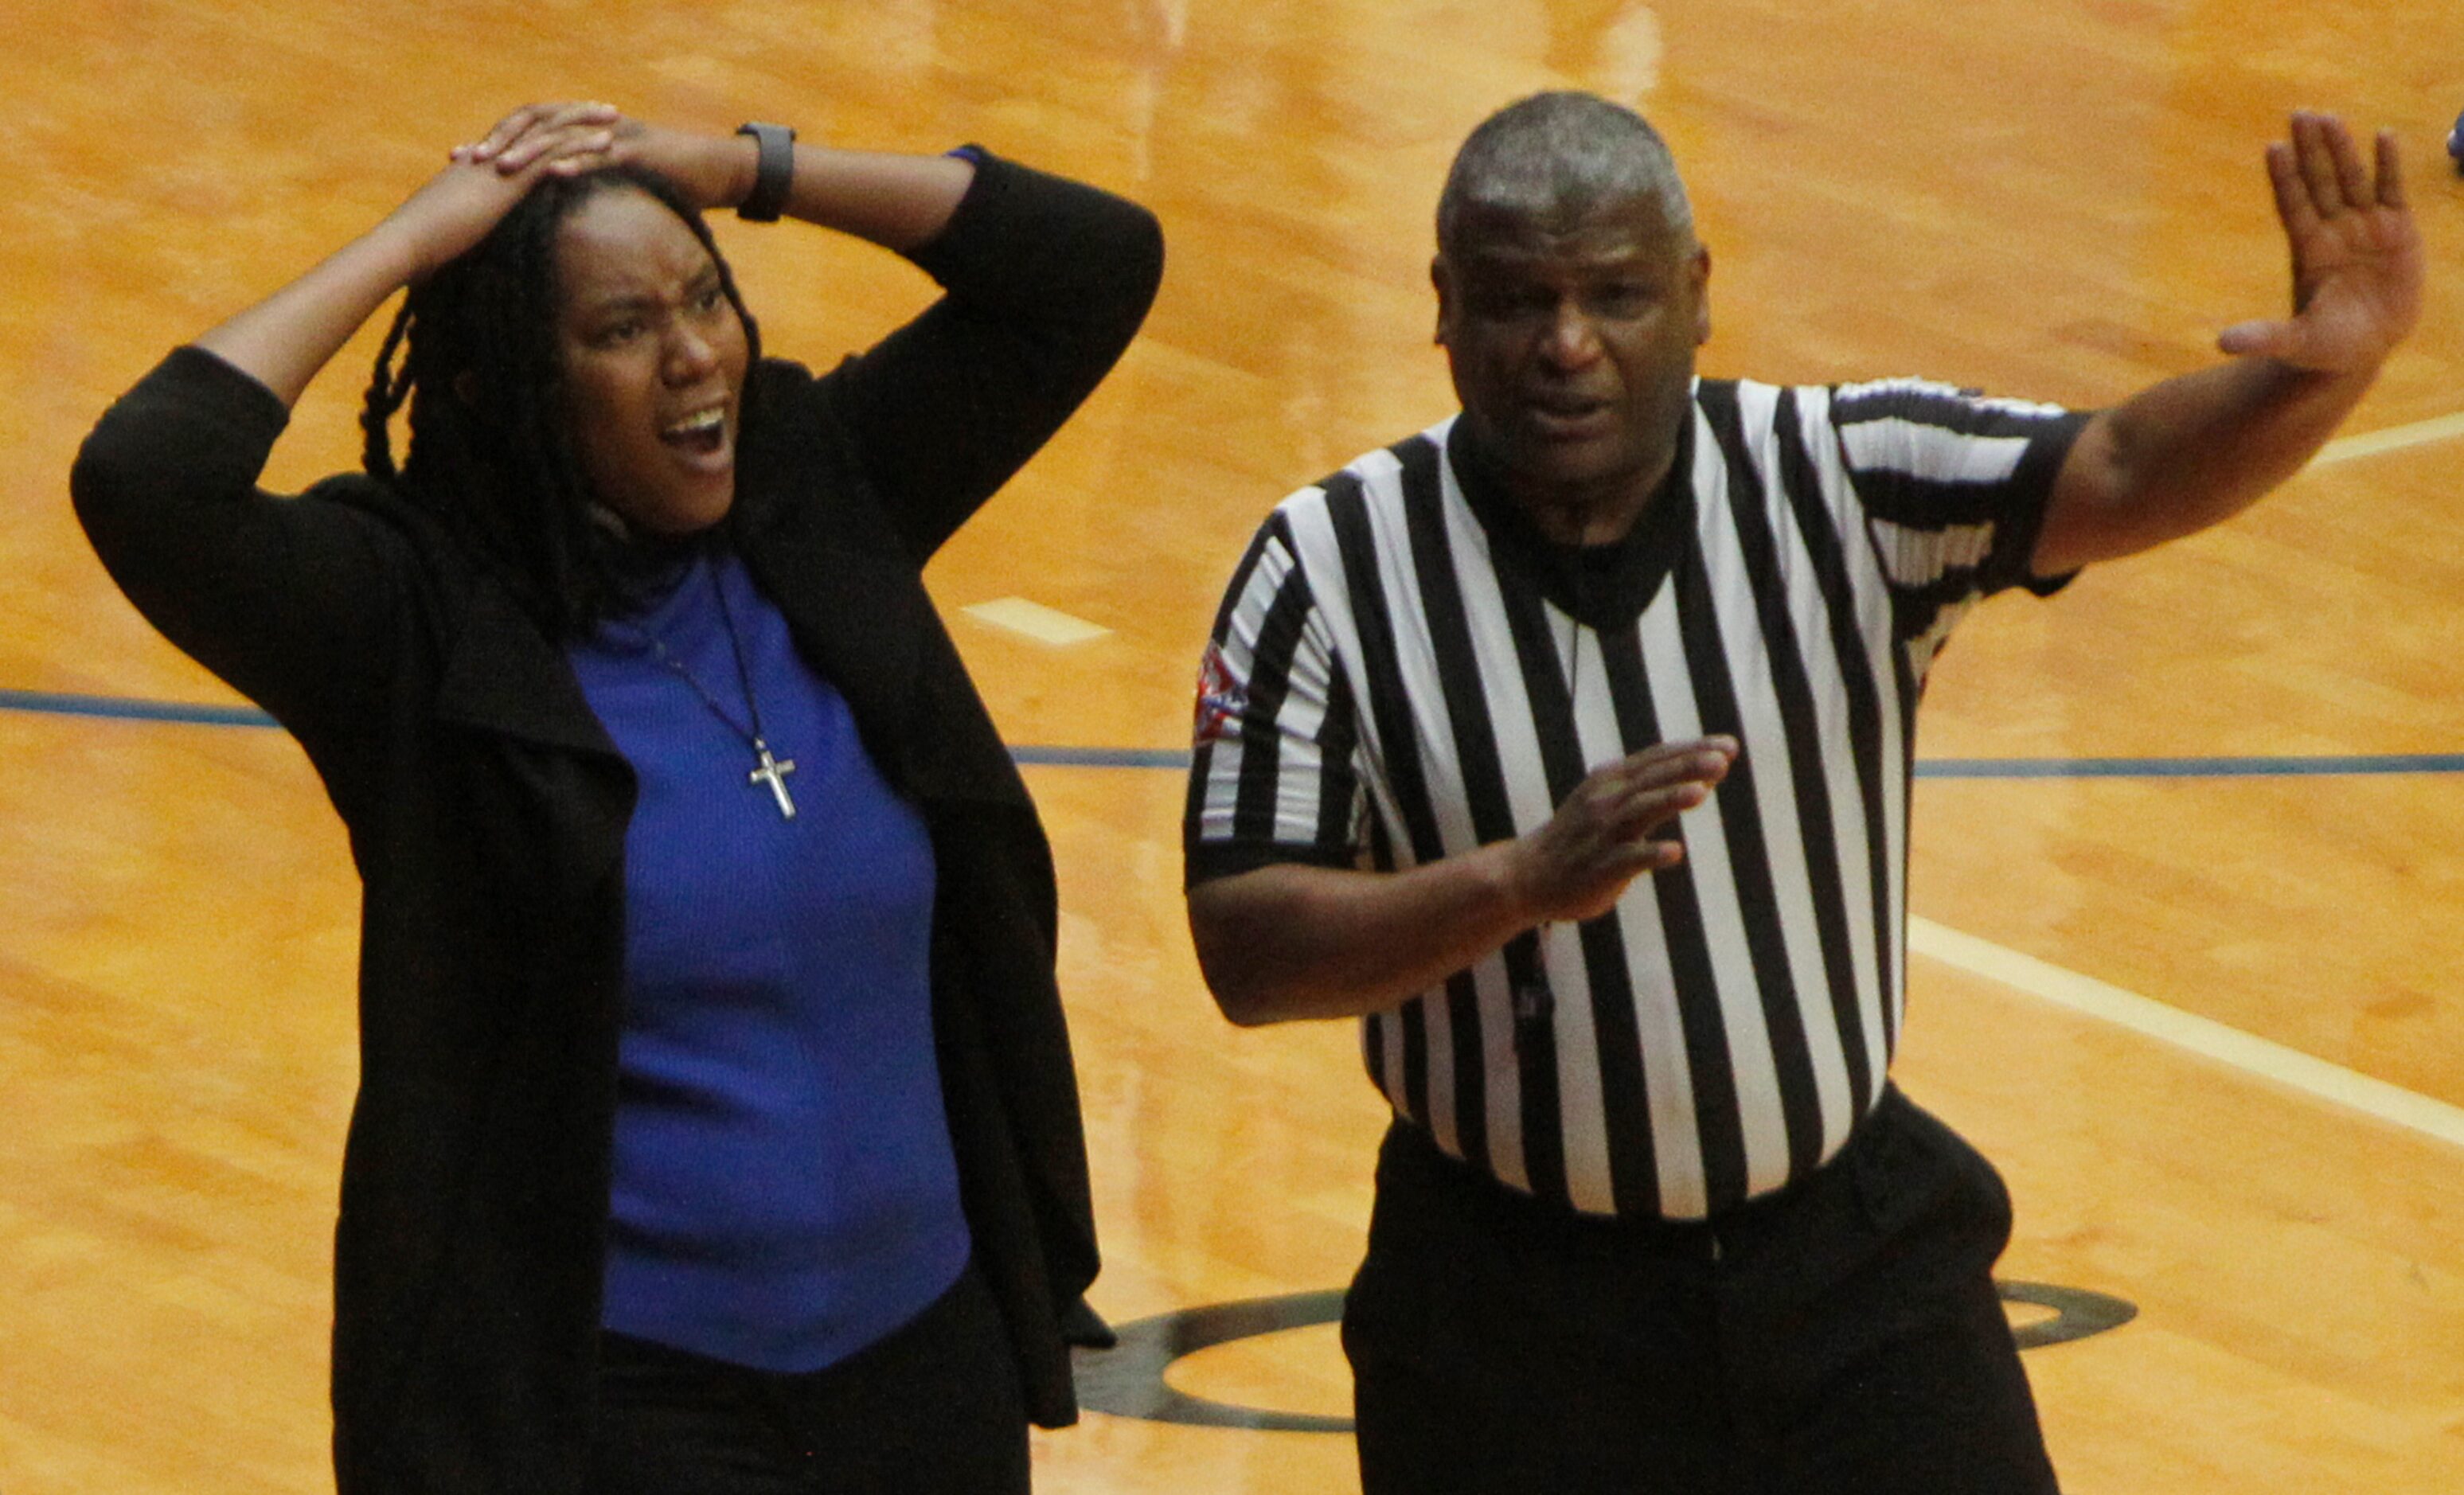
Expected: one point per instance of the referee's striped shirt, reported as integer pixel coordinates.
(1404, 669)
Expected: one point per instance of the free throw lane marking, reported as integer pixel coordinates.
(1042, 624)
(2202, 1036)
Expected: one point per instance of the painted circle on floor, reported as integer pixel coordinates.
(1129, 1379)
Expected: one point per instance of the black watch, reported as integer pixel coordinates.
(774, 173)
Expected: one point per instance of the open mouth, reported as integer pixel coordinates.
(702, 435)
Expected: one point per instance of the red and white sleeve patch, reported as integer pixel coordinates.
(1221, 699)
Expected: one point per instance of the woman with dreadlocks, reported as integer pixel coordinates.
(717, 1129)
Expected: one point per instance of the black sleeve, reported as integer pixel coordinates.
(284, 598)
(1954, 485)
(1046, 281)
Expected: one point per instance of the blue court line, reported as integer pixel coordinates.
(122, 709)
(1177, 760)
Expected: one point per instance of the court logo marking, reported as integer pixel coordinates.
(1130, 1379)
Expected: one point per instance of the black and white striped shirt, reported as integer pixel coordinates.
(1403, 669)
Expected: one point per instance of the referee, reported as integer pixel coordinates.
(1566, 745)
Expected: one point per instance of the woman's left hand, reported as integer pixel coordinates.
(714, 170)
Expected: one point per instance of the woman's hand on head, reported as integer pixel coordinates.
(712, 170)
(456, 207)
(570, 136)
(282, 341)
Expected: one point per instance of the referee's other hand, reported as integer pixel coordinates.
(1617, 825)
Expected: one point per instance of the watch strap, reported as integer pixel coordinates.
(773, 174)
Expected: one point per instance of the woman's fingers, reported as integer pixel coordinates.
(555, 141)
(502, 133)
(572, 149)
(599, 145)
(517, 139)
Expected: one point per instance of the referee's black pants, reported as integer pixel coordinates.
(1840, 1337)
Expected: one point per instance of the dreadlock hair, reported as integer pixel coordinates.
(490, 453)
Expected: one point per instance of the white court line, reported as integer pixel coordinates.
(1042, 624)
(2369, 444)
(2201, 1036)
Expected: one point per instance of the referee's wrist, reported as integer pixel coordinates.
(1509, 886)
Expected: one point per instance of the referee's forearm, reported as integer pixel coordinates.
(2187, 453)
(1290, 941)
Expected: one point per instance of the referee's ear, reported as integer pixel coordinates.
(1441, 278)
(1699, 271)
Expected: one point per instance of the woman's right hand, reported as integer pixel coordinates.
(456, 207)
(282, 341)
(710, 170)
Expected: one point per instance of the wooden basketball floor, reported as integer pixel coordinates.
(2189, 862)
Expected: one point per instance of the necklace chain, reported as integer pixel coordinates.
(769, 771)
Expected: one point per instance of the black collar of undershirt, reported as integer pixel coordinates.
(1606, 586)
(644, 569)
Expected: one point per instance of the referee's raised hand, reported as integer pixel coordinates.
(2356, 250)
(1608, 831)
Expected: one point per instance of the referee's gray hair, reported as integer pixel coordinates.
(1560, 151)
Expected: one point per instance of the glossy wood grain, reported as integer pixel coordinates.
(2061, 200)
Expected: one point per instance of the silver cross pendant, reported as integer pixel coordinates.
(774, 771)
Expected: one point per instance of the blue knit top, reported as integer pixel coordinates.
(785, 1190)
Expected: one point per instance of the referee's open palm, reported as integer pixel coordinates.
(2357, 256)
(1608, 832)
